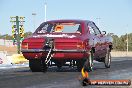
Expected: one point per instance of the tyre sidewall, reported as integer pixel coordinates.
(89, 62)
(107, 60)
(35, 65)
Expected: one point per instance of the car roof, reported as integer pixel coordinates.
(69, 20)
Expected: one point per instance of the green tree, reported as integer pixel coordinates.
(27, 34)
(120, 43)
(9, 37)
(6, 36)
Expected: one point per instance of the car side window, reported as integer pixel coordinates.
(97, 32)
(93, 28)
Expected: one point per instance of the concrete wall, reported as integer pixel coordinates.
(121, 54)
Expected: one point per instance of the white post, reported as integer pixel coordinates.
(127, 41)
(45, 7)
(127, 44)
(4, 41)
(34, 14)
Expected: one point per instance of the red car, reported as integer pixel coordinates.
(59, 41)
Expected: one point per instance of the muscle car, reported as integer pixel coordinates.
(57, 42)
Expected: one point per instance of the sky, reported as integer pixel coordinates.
(115, 16)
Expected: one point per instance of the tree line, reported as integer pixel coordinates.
(119, 43)
(9, 37)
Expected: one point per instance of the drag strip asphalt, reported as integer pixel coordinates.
(121, 68)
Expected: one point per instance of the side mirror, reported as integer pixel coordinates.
(103, 32)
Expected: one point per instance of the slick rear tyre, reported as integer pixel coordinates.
(35, 65)
(107, 60)
(88, 65)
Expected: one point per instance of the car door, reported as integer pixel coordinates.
(97, 37)
(103, 45)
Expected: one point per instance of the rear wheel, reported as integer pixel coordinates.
(35, 65)
(89, 62)
(107, 60)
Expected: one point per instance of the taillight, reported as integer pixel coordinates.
(80, 45)
(24, 46)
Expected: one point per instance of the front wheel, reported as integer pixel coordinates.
(107, 60)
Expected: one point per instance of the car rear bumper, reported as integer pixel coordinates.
(58, 54)
(54, 50)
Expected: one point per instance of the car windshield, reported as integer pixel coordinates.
(59, 28)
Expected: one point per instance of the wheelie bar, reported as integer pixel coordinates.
(47, 60)
(49, 56)
(49, 45)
